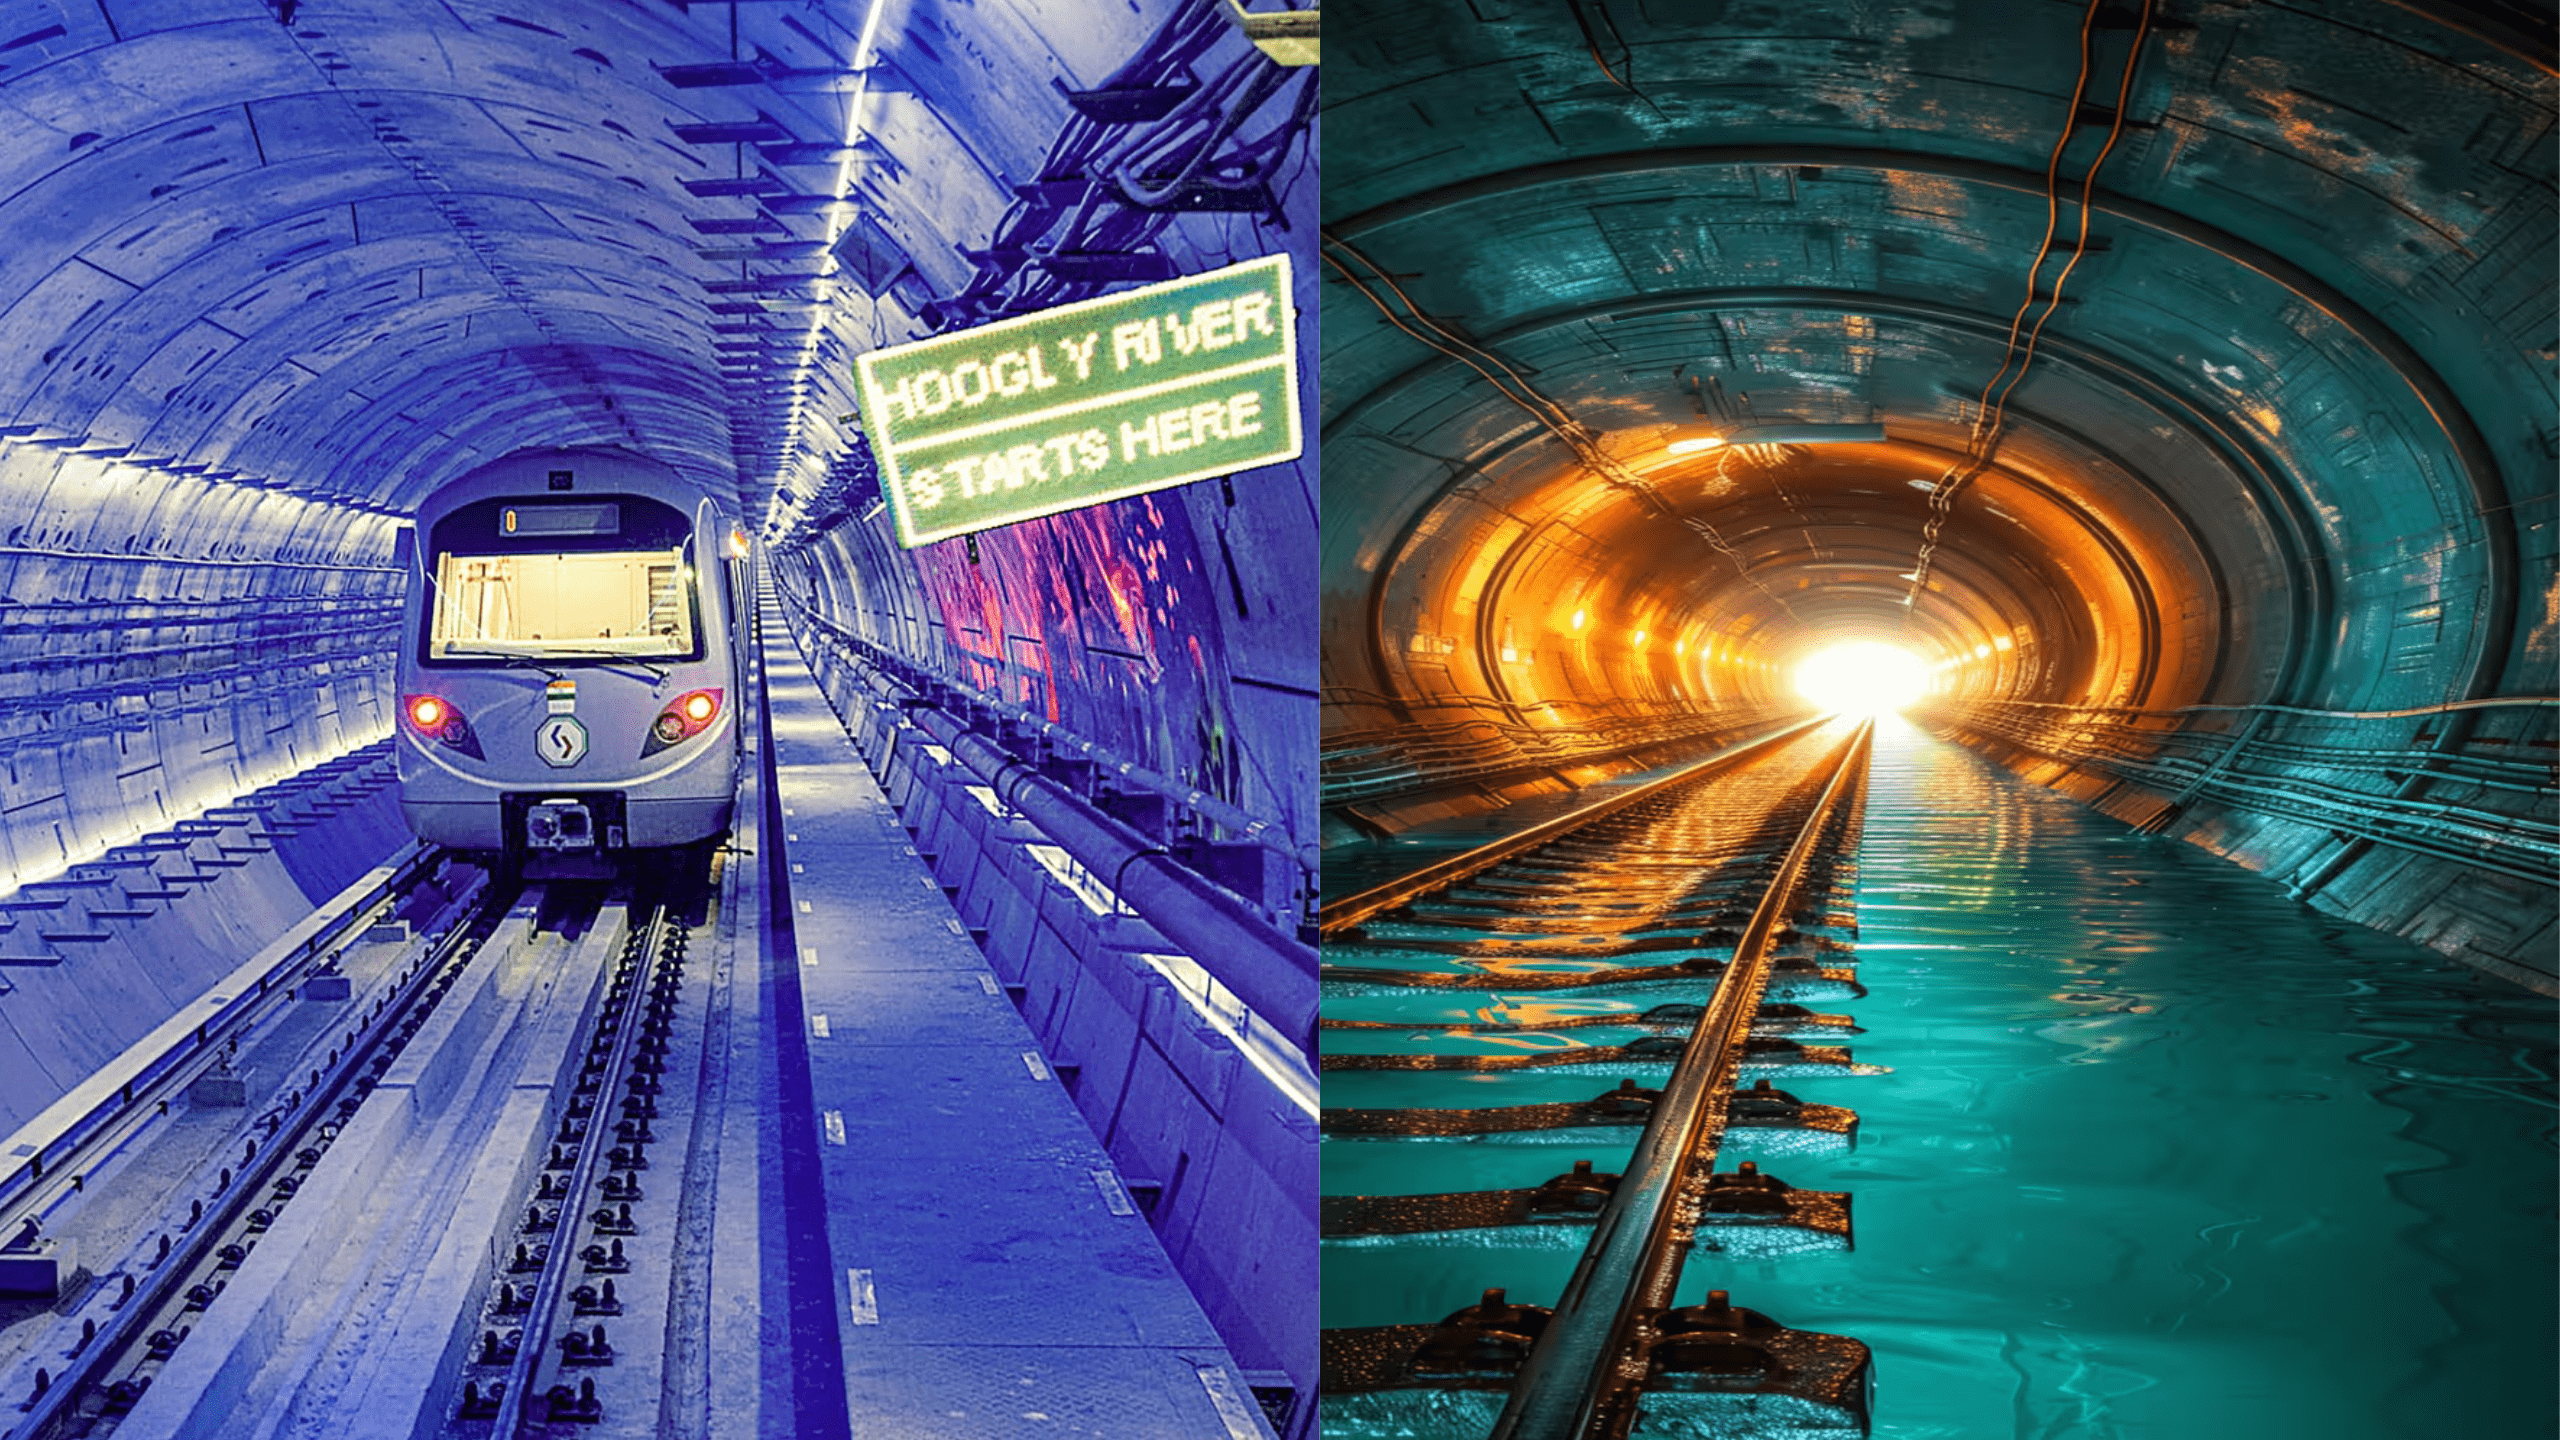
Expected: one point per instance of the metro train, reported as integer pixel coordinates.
(570, 664)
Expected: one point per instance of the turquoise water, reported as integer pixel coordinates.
(2160, 1153)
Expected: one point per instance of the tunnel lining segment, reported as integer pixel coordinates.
(2279, 504)
(2462, 435)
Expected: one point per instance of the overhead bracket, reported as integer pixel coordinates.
(1287, 36)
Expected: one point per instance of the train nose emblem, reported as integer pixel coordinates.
(561, 740)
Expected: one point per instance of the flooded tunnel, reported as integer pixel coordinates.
(1670, 364)
(2168, 389)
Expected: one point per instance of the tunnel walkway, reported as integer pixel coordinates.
(2160, 1151)
(949, 1172)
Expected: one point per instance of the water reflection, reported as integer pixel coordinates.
(2162, 1154)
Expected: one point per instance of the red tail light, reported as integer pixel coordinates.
(686, 716)
(434, 717)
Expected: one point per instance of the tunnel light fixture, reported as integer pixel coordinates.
(1981, 652)
(2000, 642)
(1780, 434)
(1580, 616)
(1640, 637)
(1864, 677)
(866, 53)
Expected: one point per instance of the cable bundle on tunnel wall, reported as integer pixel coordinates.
(1168, 626)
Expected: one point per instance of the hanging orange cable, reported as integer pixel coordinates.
(1990, 412)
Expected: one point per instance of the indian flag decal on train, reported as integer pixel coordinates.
(561, 696)
(1142, 390)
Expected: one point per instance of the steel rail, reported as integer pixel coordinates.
(1420, 769)
(1341, 915)
(1583, 1378)
(89, 1138)
(629, 977)
(414, 994)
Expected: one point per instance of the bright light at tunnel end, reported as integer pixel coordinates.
(1866, 677)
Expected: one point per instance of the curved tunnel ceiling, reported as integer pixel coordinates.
(275, 270)
(361, 249)
(2287, 436)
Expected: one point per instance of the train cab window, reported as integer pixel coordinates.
(544, 580)
(562, 606)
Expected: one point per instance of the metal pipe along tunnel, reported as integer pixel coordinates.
(1002, 718)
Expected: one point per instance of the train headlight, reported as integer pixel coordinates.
(435, 718)
(686, 716)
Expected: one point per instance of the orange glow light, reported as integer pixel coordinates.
(426, 712)
(698, 708)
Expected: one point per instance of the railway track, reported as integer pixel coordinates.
(549, 1325)
(481, 1147)
(163, 1294)
(134, 1097)
(1688, 927)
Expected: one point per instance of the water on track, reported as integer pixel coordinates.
(2161, 1153)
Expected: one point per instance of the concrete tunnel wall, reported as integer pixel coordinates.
(277, 272)
(2289, 440)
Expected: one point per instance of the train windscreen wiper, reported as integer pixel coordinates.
(551, 667)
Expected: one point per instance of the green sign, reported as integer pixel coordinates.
(1132, 392)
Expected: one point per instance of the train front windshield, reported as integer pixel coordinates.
(561, 583)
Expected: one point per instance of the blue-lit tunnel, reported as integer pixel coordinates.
(276, 271)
